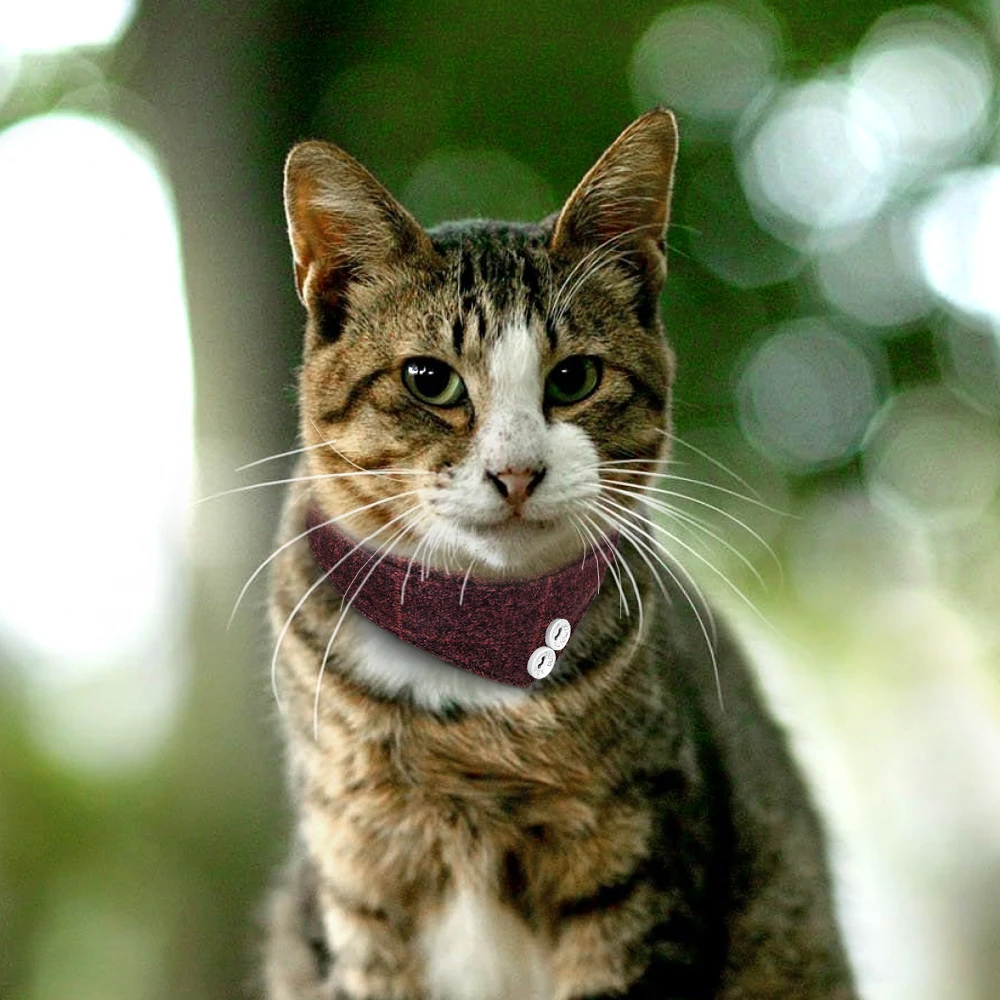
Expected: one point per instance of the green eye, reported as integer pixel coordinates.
(573, 379)
(433, 381)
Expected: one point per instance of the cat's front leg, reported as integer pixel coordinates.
(636, 941)
(321, 948)
(371, 955)
(297, 959)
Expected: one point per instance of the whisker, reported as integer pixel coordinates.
(577, 523)
(694, 552)
(583, 541)
(371, 556)
(714, 461)
(402, 590)
(619, 557)
(302, 600)
(307, 479)
(597, 556)
(465, 580)
(326, 654)
(555, 305)
(609, 256)
(623, 601)
(711, 641)
(619, 525)
(643, 491)
(316, 527)
(331, 445)
(558, 306)
(671, 557)
(697, 523)
(634, 461)
(281, 454)
(697, 482)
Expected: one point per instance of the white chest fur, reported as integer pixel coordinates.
(477, 949)
(397, 668)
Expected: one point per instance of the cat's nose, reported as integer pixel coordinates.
(516, 485)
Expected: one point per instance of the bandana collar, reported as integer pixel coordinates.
(511, 631)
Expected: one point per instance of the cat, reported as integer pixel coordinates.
(494, 399)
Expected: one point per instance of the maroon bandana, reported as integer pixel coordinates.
(507, 631)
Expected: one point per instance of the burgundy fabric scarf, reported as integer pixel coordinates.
(509, 631)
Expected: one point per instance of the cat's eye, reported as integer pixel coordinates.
(433, 382)
(573, 379)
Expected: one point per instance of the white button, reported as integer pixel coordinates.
(557, 634)
(541, 662)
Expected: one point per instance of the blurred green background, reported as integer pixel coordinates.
(834, 299)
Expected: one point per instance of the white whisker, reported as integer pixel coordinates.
(634, 461)
(302, 600)
(461, 593)
(281, 454)
(633, 533)
(620, 558)
(583, 541)
(402, 590)
(371, 556)
(697, 482)
(316, 527)
(332, 446)
(619, 525)
(644, 491)
(697, 555)
(578, 524)
(560, 303)
(343, 614)
(670, 556)
(623, 601)
(698, 524)
(308, 479)
(714, 461)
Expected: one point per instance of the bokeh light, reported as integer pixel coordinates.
(840, 538)
(50, 25)
(971, 359)
(872, 272)
(707, 60)
(807, 394)
(816, 159)
(931, 460)
(98, 358)
(930, 72)
(726, 237)
(960, 241)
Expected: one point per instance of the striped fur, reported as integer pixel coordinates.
(613, 833)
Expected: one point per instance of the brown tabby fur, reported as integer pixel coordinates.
(636, 838)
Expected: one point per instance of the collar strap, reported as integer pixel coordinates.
(511, 631)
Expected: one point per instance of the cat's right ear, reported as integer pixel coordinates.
(341, 221)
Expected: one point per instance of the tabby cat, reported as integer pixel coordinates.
(494, 399)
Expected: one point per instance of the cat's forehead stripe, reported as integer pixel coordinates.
(499, 277)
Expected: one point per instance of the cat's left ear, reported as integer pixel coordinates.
(623, 202)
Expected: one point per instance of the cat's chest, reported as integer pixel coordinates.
(476, 948)
(395, 667)
(393, 841)
(470, 833)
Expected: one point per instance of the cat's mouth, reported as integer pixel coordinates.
(511, 524)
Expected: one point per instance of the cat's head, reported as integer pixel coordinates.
(495, 366)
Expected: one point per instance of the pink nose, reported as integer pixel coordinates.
(516, 485)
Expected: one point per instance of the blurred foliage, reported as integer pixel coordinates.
(817, 359)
